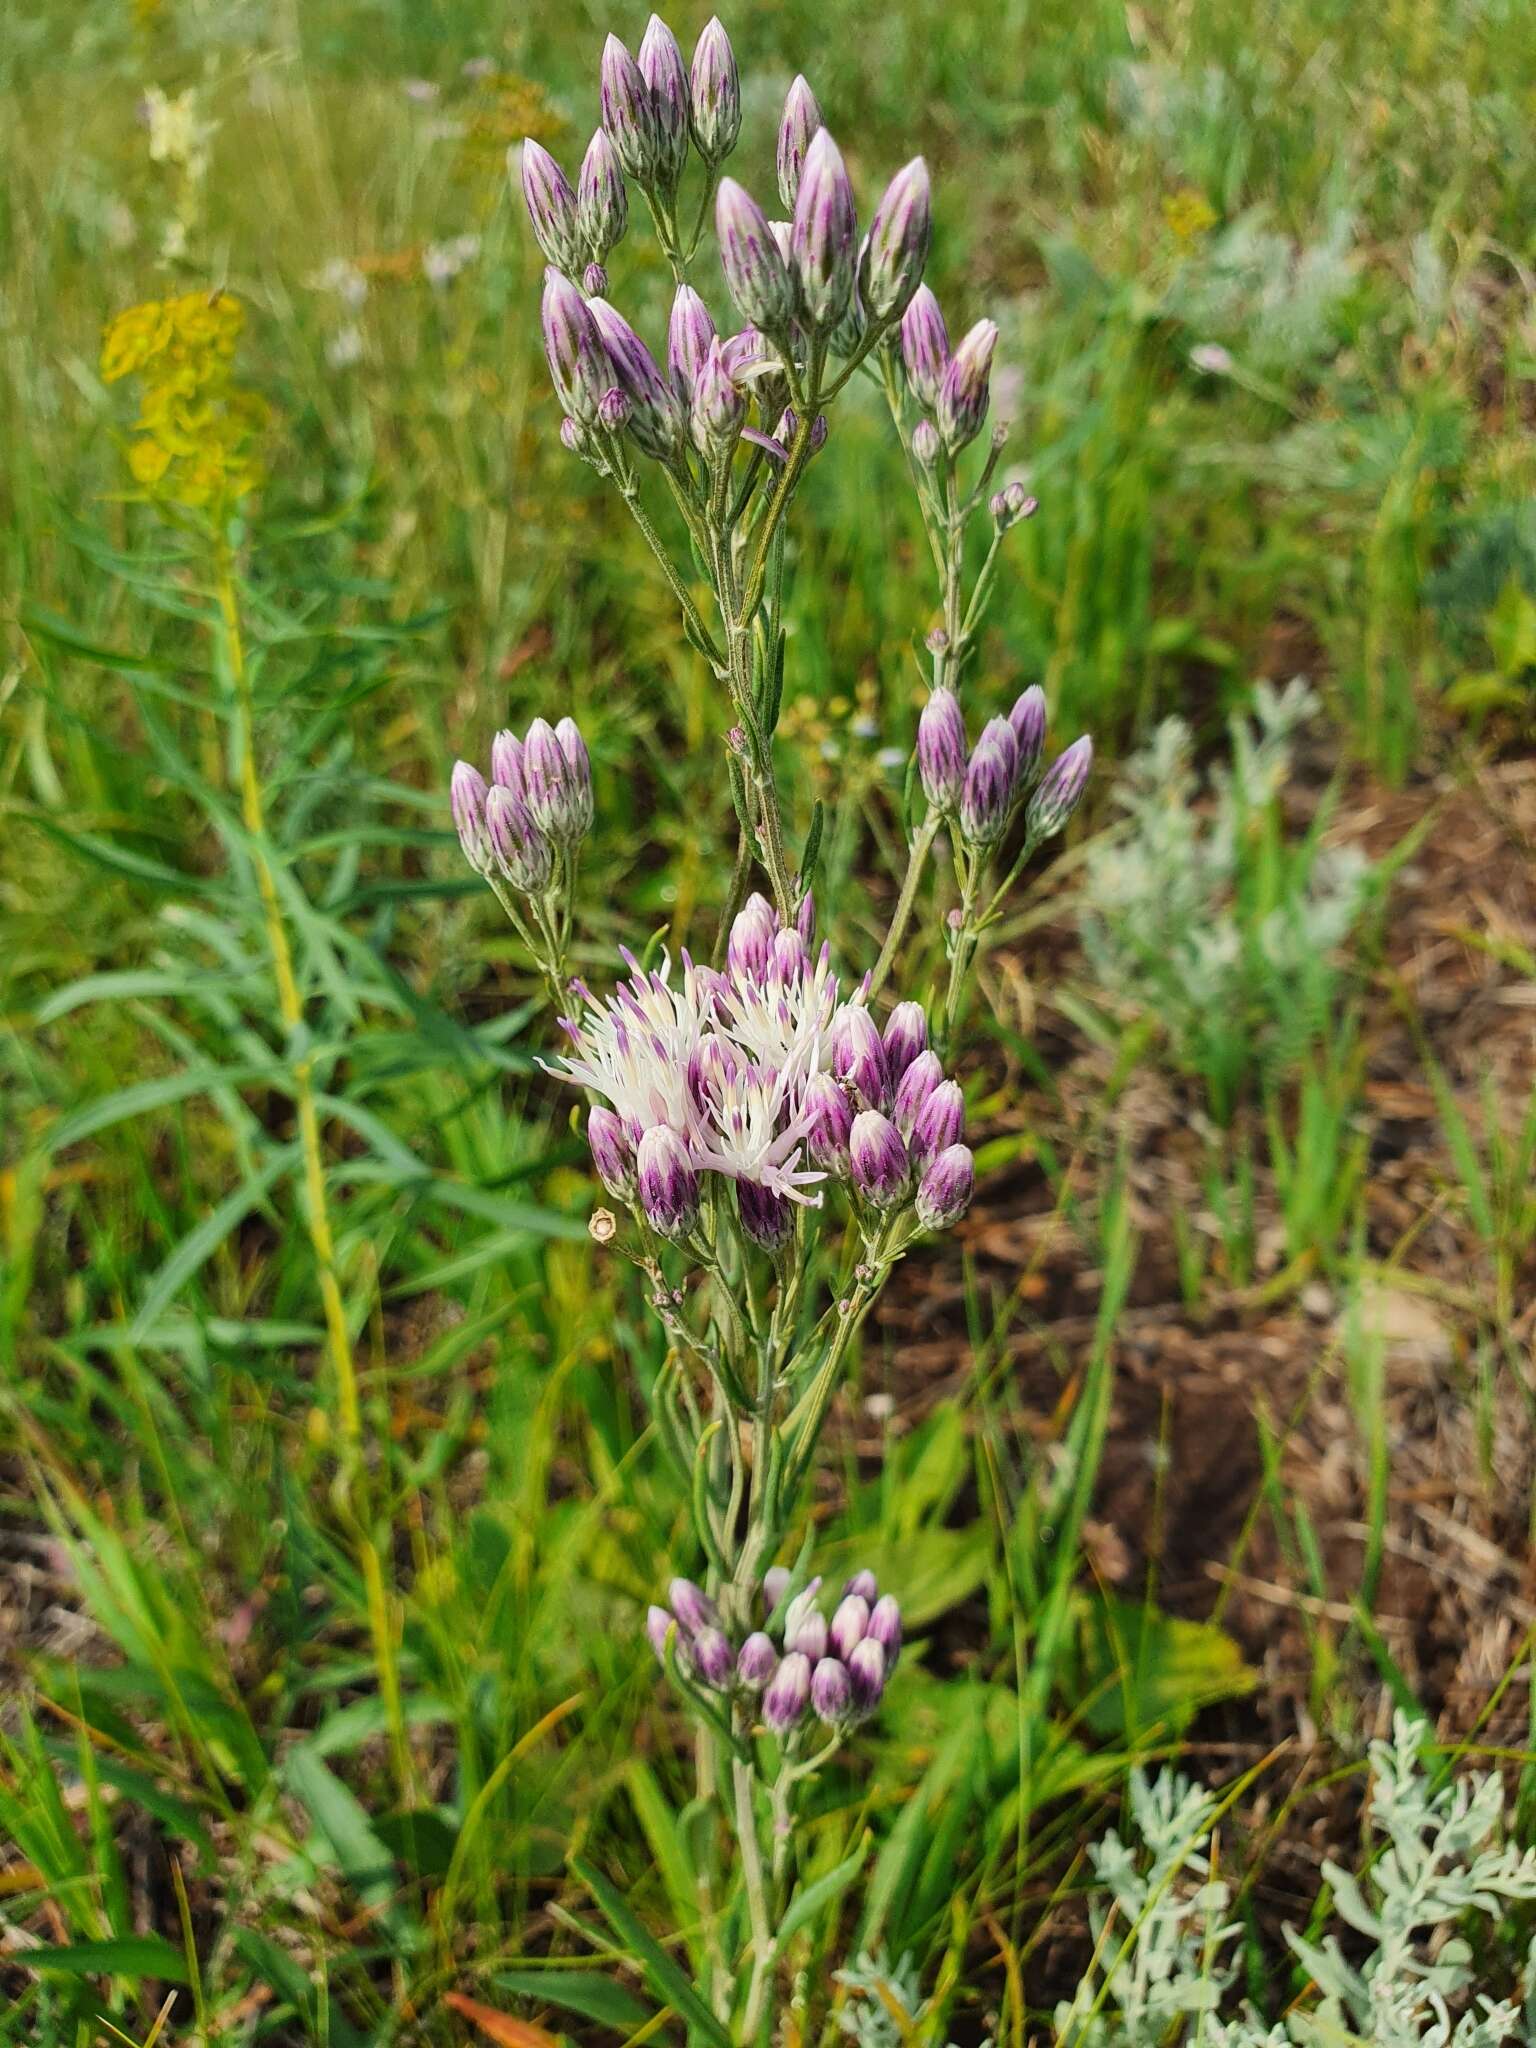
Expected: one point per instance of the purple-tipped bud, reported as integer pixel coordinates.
(656, 415)
(944, 1192)
(966, 391)
(692, 1606)
(602, 204)
(576, 440)
(629, 115)
(614, 411)
(1028, 721)
(755, 271)
(714, 1658)
(689, 334)
(896, 247)
(578, 362)
(667, 1183)
(594, 280)
(799, 1611)
(858, 1055)
(991, 781)
(507, 762)
(789, 961)
(1009, 506)
(612, 1153)
(755, 1665)
(801, 120)
(824, 239)
(831, 1693)
(578, 766)
(522, 851)
(788, 1694)
(878, 1159)
(555, 803)
(775, 1585)
(866, 1676)
(714, 94)
(904, 1037)
(941, 750)
(719, 410)
(805, 920)
(885, 1629)
(865, 1584)
(913, 1090)
(924, 346)
(552, 207)
(926, 445)
(939, 1123)
(658, 1626)
(848, 1624)
(466, 799)
(750, 945)
(765, 1217)
(829, 1124)
(660, 64)
(1060, 791)
(809, 1635)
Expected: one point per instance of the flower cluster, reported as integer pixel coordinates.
(758, 1075)
(795, 1659)
(536, 807)
(197, 437)
(981, 789)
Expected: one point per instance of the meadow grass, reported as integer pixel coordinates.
(329, 1662)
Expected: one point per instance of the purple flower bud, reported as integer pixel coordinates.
(926, 445)
(858, 1056)
(904, 1037)
(809, 1635)
(612, 1153)
(944, 1192)
(578, 362)
(831, 1693)
(1028, 721)
(802, 118)
(614, 411)
(658, 1626)
(575, 439)
(1011, 505)
(848, 1624)
(660, 64)
(880, 1169)
(800, 1610)
(829, 1123)
(507, 762)
(602, 204)
(866, 1676)
(522, 851)
(941, 750)
(765, 1217)
(667, 1183)
(656, 416)
(896, 247)
(924, 346)
(824, 237)
(689, 334)
(990, 784)
(466, 799)
(750, 945)
(913, 1090)
(629, 114)
(938, 1124)
(1061, 790)
(755, 272)
(755, 1665)
(719, 410)
(788, 1694)
(554, 804)
(966, 391)
(594, 280)
(805, 919)
(775, 1585)
(865, 1585)
(885, 1629)
(714, 1658)
(552, 207)
(692, 1606)
(714, 94)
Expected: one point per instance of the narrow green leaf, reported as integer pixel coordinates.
(667, 1980)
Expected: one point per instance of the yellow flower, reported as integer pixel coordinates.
(1189, 214)
(198, 432)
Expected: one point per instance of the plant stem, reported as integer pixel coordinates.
(922, 846)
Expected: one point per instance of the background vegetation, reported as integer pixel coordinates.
(308, 1703)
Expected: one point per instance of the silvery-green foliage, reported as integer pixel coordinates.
(1440, 1861)
(1159, 1937)
(1277, 304)
(1177, 922)
(878, 1991)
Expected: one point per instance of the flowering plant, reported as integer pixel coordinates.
(777, 1135)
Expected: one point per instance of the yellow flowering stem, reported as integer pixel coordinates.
(291, 1010)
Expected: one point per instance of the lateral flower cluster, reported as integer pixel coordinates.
(756, 1083)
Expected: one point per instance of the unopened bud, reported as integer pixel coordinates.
(896, 247)
(552, 207)
(801, 120)
(755, 1665)
(941, 750)
(788, 1694)
(660, 64)
(629, 115)
(714, 94)
(904, 1037)
(766, 1218)
(1060, 790)
(924, 347)
(878, 1160)
(667, 1183)
(831, 1693)
(823, 242)
(991, 780)
(966, 391)
(944, 1192)
(602, 204)
(755, 271)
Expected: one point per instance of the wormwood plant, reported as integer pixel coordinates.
(778, 1135)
